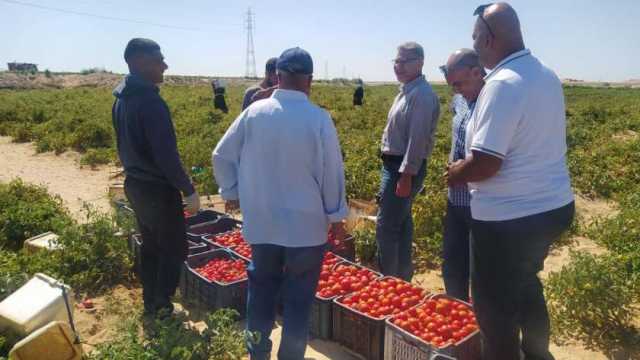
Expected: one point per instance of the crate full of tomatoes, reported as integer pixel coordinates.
(359, 318)
(219, 225)
(215, 279)
(242, 250)
(440, 325)
(338, 277)
(228, 239)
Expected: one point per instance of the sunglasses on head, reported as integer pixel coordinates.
(479, 11)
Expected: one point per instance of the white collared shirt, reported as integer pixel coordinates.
(520, 118)
(281, 158)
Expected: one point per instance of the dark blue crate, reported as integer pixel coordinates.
(210, 294)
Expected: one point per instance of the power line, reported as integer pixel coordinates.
(103, 17)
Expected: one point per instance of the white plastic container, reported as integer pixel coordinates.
(35, 304)
(47, 241)
(54, 341)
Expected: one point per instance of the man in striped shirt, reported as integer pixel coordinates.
(465, 76)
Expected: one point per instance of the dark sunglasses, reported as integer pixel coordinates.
(479, 11)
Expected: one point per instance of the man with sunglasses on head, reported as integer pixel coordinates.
(155, 177)
(521, 197)
(407, 143)
(465, 76)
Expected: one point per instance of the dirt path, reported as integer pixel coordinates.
(61, 174)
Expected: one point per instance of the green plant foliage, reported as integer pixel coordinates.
(26, 211)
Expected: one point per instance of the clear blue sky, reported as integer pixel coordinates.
(588, 39)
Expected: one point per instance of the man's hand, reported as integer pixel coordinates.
(192, 203)
(231, 206)
(453, 174)
(403, 187)
(338, 231)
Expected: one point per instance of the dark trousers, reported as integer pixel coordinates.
(455, 251)
(507, 293)
(158, 210)
(293, 274)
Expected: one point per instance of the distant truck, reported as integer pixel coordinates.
(22, 67)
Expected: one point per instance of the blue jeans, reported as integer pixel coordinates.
(292, 273)
(394, 228)
(455, 251)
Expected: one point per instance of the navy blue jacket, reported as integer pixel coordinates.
(145, 135)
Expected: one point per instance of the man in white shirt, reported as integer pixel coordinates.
(521, 197)
(280, 162)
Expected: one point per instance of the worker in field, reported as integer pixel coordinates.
(407, 143)
(358, 93)
(219, 90)
(464, 74)
(521, 197)
(280, 162)
(270, 81)
(156, 183)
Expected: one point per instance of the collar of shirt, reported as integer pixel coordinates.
(508, 59)
(283, 94)
(406, 88)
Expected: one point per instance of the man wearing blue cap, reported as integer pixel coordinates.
(280, 162)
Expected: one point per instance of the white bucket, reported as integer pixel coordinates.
(35, 304)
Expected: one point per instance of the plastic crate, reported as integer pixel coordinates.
(321, 325)
(196, 248)
(348, 250)
(359, 332)
(202, 232)
(209, 238)
(402, 345)
(211, 294)
(136, 248)
(203, 217)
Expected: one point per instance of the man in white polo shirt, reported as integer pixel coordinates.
(521, 197)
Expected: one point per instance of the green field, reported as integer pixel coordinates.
(603, 157)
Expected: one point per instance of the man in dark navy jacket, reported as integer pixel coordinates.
(155, 177)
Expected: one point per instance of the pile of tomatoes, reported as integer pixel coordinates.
(439, 322)
(388, 296)
(343, 279)
(243, 250)
(224, 271)
(229, 239)
(330, 259)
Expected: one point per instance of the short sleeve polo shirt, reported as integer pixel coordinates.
(519, 117)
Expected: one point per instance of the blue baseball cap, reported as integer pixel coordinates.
(295, 61)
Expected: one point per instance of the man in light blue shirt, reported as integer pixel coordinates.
(280, 162)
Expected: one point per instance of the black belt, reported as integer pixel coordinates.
(391, 158)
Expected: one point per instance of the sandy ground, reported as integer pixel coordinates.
(63, 175)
